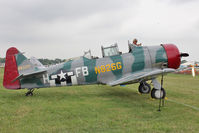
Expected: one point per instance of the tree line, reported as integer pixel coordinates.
(43, 61)
(50, 61)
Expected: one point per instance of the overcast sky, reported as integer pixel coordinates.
(66, 28)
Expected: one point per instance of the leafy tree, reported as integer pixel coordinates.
(2, 60)
(43, 61)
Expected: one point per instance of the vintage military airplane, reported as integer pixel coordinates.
(139, 65)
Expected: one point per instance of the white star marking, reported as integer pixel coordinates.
(62, 75)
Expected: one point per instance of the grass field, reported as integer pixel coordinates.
(98, 108)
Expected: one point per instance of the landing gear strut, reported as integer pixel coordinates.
(144, 88)
(30, 92)
(158, 92)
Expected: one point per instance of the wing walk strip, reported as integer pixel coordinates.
(187, 105)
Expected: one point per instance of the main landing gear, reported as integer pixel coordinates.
(144, 88)
(30, 92)
(157, 92)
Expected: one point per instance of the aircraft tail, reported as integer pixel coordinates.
(16, 65)
(10, 70)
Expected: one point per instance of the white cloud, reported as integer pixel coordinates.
(66, 28)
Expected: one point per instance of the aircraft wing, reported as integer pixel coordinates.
(140, 76)
(29, 74)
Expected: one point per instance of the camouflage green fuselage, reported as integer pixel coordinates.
(84, 71)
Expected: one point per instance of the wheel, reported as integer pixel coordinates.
(29, 93)
(155, 93)
(144, 88)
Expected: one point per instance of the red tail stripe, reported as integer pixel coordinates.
(11, 71)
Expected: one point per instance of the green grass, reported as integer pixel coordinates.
(99, 108)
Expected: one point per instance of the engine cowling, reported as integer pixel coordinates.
(173, 55)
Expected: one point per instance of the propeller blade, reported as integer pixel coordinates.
(184, 55)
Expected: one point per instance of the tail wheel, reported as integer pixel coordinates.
(155, 93)
(30, 92)
(144, 88)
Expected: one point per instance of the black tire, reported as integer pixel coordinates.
(155, 93)
(29, 93)
(144, 88)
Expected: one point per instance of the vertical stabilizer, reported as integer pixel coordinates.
(11, 70)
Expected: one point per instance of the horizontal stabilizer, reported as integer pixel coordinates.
(29, 74)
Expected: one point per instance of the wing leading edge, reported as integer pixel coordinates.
(140, 76)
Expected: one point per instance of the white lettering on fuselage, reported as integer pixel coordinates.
(45, 78)
(83, 70)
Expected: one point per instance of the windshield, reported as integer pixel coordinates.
(110, 51)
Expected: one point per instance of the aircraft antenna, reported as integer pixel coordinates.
(161, 101)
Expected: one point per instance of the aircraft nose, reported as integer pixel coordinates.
(173, 55)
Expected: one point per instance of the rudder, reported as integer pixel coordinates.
(11, 70)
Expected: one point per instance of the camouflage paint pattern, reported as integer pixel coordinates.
(83, 71)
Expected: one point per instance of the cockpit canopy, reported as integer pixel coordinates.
(110, 51)
(106, 52)
(87, 54)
